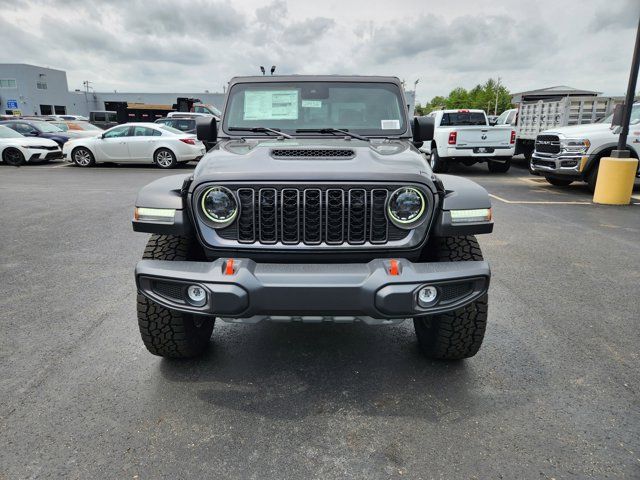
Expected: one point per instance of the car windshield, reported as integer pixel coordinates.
(368, 108)
(170, 129)
(6, 132)
(463, 118)
(635, 116)
(61, 125)
(47, 127)
(86, 126)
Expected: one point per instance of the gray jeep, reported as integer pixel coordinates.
(315, 205)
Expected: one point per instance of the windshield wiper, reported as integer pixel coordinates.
(259, 129)
(332, 130)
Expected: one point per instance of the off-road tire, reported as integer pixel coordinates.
(497, 167)
(169, 333)
(437, 164)
(13, 157)
(558, 182)
(458, 334)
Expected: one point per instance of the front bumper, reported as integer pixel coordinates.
(562, 164)
(342, 292)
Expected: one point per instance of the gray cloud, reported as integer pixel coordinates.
(191, 45)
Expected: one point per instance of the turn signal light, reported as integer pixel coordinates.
(453, 138)
(513, 137)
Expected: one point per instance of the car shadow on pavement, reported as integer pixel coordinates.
(294, 371)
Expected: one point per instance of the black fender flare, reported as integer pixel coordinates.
(165, 193)
(461, 194)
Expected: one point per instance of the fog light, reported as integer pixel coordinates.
(196, 295)
(427, 296)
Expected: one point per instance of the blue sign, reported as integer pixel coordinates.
(12, 104)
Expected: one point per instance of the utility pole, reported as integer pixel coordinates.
(622, 151)
(495, 110)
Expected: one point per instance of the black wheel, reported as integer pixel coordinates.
(13, 156)
(558, 182)
(169, 333)
(458, 334)
(165, 158)
(498, 167)
(437, 165)
(83, 157)
(592, 177)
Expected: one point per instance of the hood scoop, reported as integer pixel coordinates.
(325, 153)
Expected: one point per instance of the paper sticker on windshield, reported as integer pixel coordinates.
(390, 124)
(271, 105)
(312, 103)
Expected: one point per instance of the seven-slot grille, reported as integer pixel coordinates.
(313, 215)
(547, 144)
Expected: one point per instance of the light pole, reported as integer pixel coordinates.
(622, 151)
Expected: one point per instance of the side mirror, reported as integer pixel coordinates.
(207, 129)
(618, 114)
(423, 128)
(493, 123)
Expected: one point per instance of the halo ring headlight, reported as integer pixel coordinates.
(406, 207)
(219, 206)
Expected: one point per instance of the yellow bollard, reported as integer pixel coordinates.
(614, 184)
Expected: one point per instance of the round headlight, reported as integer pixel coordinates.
(220, 206)
(406, 206)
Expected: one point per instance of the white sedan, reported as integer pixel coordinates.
(134, 143)
(16, 149)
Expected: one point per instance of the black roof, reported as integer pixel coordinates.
(315, 78)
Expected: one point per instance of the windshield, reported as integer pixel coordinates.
(170, 129)
(86, 126)
(47, 127)
(61, 125)
(6, 132)
(635, 116)
(366, 108)
(463, 118)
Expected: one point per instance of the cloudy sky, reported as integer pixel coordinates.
(197, 45)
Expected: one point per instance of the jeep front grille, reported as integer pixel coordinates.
(547, 144)
(313, 215)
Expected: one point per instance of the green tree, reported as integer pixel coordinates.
(482, 96)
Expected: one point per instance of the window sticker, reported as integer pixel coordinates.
(390, 124)
(271, 105)
(312, 103)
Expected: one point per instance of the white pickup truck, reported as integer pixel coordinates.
(465, 136)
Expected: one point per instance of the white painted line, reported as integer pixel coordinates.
(61, 165)
(537, 202)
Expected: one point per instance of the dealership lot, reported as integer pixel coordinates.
(553, 393)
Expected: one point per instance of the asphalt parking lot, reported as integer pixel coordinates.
(553, 393)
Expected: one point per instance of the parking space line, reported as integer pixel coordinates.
(538, 202)
(61, 165)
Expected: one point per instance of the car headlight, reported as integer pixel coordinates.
(406, 207)
(575, 145)
(220, 206)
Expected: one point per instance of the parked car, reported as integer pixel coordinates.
(315, 207)
(135, 143)
(78, 129)
(103, 118)
(507, 118)
(568, 154)
(16, 149)
(72, 117)
(37, 128)
(465, 136)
